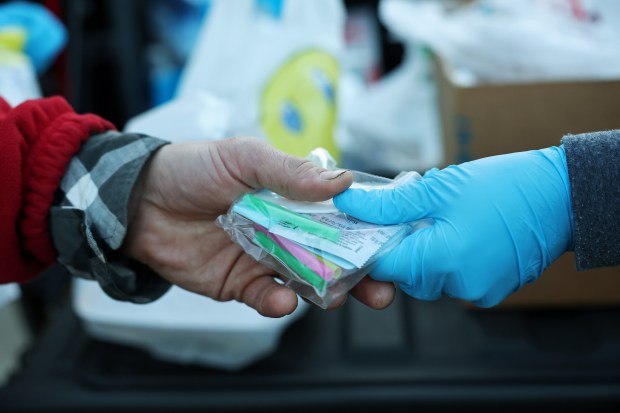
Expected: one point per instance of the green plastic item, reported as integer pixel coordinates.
(276, 212)
(288, 259)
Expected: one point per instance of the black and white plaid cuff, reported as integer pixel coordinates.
(89, 218)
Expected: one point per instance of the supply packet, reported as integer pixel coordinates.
(321, 252)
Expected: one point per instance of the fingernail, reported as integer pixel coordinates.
(329, 175)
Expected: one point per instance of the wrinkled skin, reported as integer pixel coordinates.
(187, 186)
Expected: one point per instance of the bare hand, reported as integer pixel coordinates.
(187, 186)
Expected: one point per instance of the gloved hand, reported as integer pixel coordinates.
(498, 223)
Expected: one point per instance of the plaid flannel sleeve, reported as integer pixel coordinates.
(88, 219)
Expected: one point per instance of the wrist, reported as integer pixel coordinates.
(570, 198)
(139, 210)
(560, 192)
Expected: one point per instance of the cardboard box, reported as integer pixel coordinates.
(486, 120)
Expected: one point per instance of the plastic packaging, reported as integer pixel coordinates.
(45, 35)
(18, 78)
(276, 63)
(393, 124)
(321, 252)
(183, 327)
(200, 117)
(498, 41)
(8, 294)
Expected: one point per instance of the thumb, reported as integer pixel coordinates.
(260, 165)
(409, 202)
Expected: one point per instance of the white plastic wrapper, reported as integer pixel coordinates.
(321, 252)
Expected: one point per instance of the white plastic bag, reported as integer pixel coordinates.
(183, 327)
(18, 78)
(8, 293)
(279, 71)
(495, 41)
(198, 117)
(392, 125)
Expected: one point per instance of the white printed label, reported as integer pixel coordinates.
(358, 242)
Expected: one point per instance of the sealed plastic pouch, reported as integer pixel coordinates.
(321, 252)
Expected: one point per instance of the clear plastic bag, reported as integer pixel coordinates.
(321, 252)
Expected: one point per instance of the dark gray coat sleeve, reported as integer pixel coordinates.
(594, 173)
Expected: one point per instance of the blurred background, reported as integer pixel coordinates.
(386, 86)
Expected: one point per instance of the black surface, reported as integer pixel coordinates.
(435, 356)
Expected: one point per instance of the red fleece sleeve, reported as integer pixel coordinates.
(37, 140)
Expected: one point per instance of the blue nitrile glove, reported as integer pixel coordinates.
(499, 222)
